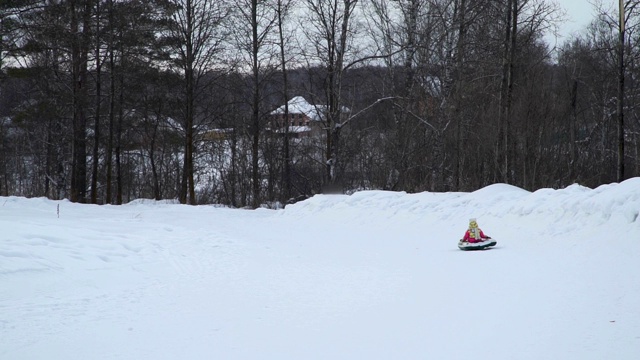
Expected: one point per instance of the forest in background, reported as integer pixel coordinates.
(106, 101)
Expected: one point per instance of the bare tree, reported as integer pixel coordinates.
(282, 9)
(626, 11)
(98, 102)
(198, 38)
(331, 33)
(80, 28)
(255, 39)
(506, 89)
(621, 30)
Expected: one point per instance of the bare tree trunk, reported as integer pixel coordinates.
(509, 146)
(118, 135)
(157, 193)
(79, 57)
(187, 192)
(96, 127)
(255, 146)
(457, 88)
(504, 147)
(621, 72)
(573, 149)
(112, 100)
(282, 9)
(234, 168)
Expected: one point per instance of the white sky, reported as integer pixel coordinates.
(579, 14)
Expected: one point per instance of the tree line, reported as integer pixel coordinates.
(106, 101)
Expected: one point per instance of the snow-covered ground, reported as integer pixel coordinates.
(374, 275)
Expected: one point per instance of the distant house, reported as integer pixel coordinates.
(303, 120)
(217, 134)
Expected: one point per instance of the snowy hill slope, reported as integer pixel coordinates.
(374, 275)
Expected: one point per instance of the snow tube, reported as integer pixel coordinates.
(464, 245)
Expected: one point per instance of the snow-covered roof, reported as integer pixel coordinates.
(295, 129)
(299, 105)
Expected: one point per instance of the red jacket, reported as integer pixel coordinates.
(469, 237)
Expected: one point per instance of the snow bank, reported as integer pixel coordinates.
(607, 203)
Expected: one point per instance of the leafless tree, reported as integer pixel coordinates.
(330, 33)
(283, 10)
(198, 36)
(254, 38)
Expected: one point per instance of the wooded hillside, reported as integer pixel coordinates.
(106, 101)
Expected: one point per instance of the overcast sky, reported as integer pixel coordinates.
(580, 13)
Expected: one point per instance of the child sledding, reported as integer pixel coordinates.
(474, 238)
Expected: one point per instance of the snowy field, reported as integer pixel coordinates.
(374, 275)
